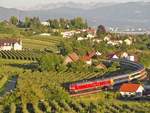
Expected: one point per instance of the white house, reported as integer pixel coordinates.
(115, 57)
(114, 42)
(124, 55)
(10, 44)
(128, 41)
(107, 38)
(97, 40)
(81, 38)
(67, 34)
(45, 34)
(129, 89)
(98, 53)
(88, 57)
(90, 36)
(45, 23)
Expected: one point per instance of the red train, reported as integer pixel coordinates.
(91, 85)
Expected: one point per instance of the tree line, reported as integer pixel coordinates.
(61, 23)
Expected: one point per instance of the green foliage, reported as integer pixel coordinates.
(9, 29)
(13, 108)
(21, 55)
(62, 23)
(62, 48)
(115, 66)
(14, 20)
(54, 92)
(50, 62)
(27, 22)
(145, 59)
(101, 31)
(78, 23)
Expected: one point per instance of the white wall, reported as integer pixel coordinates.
(6, 48)
(139, 90)
(17, 46)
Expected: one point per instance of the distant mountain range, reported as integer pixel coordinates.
(89, 5)
(132, 14)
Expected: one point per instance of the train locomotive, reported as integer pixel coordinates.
(138, 73)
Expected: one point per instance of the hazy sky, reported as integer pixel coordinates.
(30, 3)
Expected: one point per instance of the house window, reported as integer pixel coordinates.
(139, 93)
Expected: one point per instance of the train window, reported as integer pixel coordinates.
(121, 79)
(134, 75)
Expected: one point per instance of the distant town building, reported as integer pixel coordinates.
(90, 36)
(131, 58)
(10, 44)
(45, 34)
(97, 40)
(68, 34)
(128, 41)
(45, 23)
(124, 55)
(113, 56)
(107, 38)
(88, 57)
(81, 38)
(129, 89)
(98, 53)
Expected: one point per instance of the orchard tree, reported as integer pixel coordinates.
(62, 23)
(27, 22)
(62, 49)
(14, 20)
(55, 24)
(50, 62)
(79, 23)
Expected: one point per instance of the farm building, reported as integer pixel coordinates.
(73, 57)
(113, 56)
(129, 89)
(124, 55)
(88, 57)
(128, 42)
(10, 44)
(45, 23)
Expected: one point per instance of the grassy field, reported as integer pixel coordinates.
(37, 42)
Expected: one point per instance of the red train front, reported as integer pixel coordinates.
(78, 87)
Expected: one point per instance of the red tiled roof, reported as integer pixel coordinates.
(129, 87)
(85, 58)
(74, 56)
(88, 56)
(91, 54)
(8, 41)
(91, 31)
